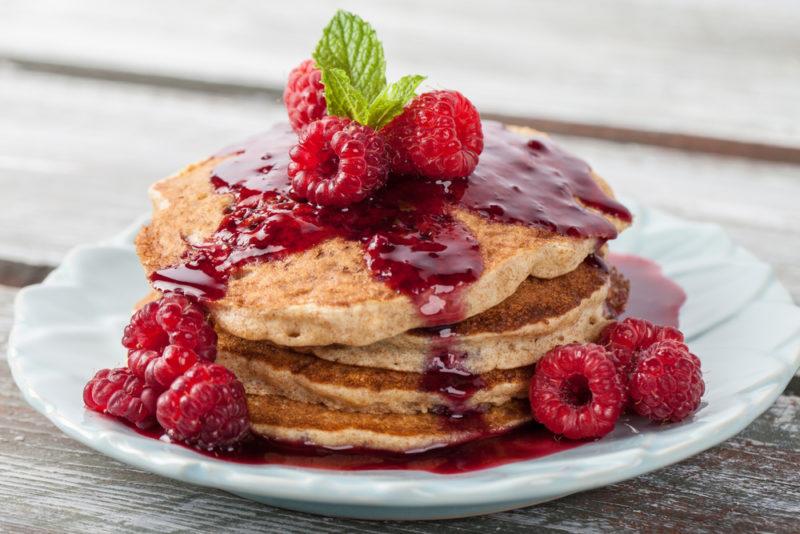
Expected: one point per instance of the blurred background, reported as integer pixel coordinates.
(690, 106)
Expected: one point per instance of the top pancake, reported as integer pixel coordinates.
(327, 294)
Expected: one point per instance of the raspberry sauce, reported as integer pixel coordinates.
(527, 442)
(446, 375)
(411, 240)
(652, 296)
(538, 184)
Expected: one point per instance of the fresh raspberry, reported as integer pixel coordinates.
(205, 407)
(172, 320)
(624, 340)
(337, 162)
(667, 382)
(160, 371)
(304, 95)
(575, 391)
(438, 135)
(139, 360)
(120, 393)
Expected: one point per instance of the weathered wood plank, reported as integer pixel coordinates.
(16, 274)
(712, 68)
(50, 483)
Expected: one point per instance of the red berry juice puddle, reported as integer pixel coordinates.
(652, 296)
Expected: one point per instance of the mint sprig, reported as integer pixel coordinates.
(342, 98)
(349, 43)
(390, 101)
(351, 59)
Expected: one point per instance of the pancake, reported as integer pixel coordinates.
(277, 371)
(490, 355)
(287, 420)
(327, 294)
(541, 314)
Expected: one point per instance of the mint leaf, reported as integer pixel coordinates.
(350, 44)
(350, 57)
(389, 102)
(342, 98)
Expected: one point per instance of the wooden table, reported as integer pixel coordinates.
(691, 108)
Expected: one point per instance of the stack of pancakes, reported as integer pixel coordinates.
(331, 356)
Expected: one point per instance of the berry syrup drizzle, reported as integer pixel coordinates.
(411, 240)
(446, 375)
(538, 184)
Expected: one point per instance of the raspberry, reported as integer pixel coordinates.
(304, 95)
(160, 371)
(438, 135)
(120, 393)
(337, 162)
(205, 407)
(575, 391)
(138, 360)
(625, 339)
(172, 320)
(667, 382)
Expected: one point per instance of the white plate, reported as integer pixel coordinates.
(738, 319)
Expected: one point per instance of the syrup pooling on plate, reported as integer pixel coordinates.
(527, 442)
(653, 296)
(410, 238)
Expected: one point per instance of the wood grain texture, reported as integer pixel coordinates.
(719, 68)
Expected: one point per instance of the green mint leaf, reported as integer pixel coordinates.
(350, 44)
(389, 102)
(342, 98)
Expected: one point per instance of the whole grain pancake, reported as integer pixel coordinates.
(269, 370)
(328, 294)
(283, 419)
(441, 373)
(541, 314)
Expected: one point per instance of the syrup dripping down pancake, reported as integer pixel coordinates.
(327, 293)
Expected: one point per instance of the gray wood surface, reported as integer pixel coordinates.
(720, 68)
(99, 99)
